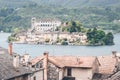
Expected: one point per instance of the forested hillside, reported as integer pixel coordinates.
(64, 3)
(91, 13)
(79, 3)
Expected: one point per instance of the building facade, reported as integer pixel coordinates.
(57, 37)
(66, 67)
(10, 67)
(44, 25)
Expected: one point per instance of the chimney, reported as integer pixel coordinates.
(25, 59)
(78, 61)
(114, 53)
(16, 61)
(45, 64)
(10, 48)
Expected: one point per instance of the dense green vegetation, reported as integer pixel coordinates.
(64, 3)
(14, 3)
(12, 37)
(91, 13)
(64, 43)
(98, 37)
(79, 3)
(94, 36)
(73, 26)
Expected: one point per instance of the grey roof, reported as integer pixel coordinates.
(99, 76)
(115, 76)
(7, 70)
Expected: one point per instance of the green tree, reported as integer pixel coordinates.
(64, 43)
(96, 37)
(89, 35)
(109, 39)
(16, 30)
(74, 26)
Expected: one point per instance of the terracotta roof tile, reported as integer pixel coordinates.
(73, 61)
(107, 64)
(37, 59)
(69, 61)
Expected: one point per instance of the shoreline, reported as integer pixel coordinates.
(62, 45)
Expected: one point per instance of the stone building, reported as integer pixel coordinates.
(66, 67)
(109, 68)
(77, 67)
(10, 67)
(53, 37)
(44, 25)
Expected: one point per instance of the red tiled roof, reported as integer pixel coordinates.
(69, 61)
(107, 64)
(73, 61)
(37, 59)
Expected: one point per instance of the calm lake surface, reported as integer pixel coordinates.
(36, 50)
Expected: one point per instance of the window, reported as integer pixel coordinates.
(25, 77)
(69, 72)
(34, 78)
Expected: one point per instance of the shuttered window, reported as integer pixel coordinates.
(69, 72)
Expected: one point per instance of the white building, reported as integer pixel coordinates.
(65, 67)
(44, 25)
(53, 37)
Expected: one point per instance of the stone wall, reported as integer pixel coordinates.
(53, 73)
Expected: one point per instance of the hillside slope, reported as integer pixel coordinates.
(64, 3)
(14, 3)
(91, 13)
(79, 3)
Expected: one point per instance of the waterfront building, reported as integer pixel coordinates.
(44, 25)
(56, 37)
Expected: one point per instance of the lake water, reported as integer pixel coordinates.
(36, 50)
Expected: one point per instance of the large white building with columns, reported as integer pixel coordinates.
(44, 25)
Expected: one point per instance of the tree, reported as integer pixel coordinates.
(98, 37)
(74, 26)
(64, 43)
(16, 30)
(89, 34)
(6, 11)
(92, 36)
(109, 39)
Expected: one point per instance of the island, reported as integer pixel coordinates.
(55, 32)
